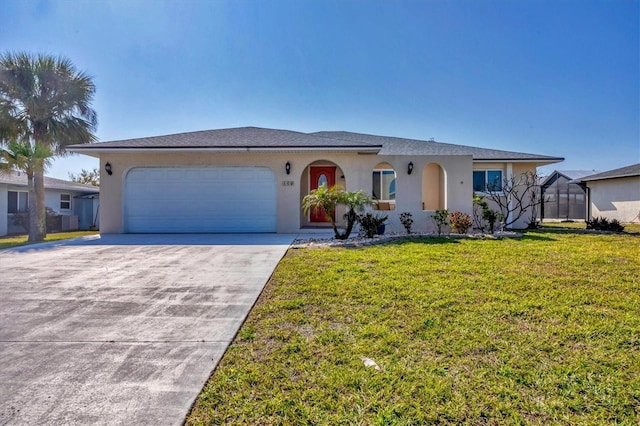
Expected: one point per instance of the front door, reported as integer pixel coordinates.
(321, 175)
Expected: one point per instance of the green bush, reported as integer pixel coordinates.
(370, 223)
(441, 218)
(482, 213)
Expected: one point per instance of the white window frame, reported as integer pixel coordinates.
(395, 176)
(20, 194)
(486, 179)
(65, 201)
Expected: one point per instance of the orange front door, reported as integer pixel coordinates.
(319, 175)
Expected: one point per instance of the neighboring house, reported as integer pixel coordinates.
(614, 194)
(253, 179)
(61, 196)
(562, 197)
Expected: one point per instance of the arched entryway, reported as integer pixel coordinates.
(433, 187)
(314, 175)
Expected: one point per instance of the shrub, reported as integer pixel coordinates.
(615, 226)
(370, 223)
(491, 216)
(603, 224)
(406, 219)
(51, 217)
(441, 218)
(479, 206)
(460, 222)
(482, 213)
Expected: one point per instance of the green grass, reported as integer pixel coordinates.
(539, 330)
(21, 240)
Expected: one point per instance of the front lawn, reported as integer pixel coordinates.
(21, 240)
(539, 330)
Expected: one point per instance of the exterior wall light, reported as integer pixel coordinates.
(107, 168)
(410, 167)
(287, 167)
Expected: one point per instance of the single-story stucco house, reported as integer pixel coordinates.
(614, 194)
(254, 179)
(563, 196)
(65, 198)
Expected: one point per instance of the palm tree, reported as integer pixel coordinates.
(329, 198)
(45, 105)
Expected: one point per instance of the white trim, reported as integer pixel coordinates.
(531, 160)
(381, 170)
(486, 180)
(60, 201)
(94, 151)
(17, 201)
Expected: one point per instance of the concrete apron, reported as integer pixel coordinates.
(123, 329)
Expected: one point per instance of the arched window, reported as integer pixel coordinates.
(384, 182)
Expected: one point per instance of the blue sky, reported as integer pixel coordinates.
(557, 77)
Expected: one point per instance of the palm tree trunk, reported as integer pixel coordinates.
(37, 215)
(31, 207)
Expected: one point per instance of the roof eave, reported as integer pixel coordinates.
(108, 150)
(587, 179)
(539, 161)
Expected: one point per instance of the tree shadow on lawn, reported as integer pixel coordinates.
(531, 237)
(423, 240)
(577, 231)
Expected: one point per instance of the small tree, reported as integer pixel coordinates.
(478, 207)
(441, 218)
(329, 198)
(517, 196)
(406, 219)
(88, 177)
(482, 213)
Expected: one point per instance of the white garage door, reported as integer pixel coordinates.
(205, 199)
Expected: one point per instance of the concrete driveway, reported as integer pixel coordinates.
(122, 329)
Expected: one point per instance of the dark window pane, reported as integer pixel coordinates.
(388, 185)
(376, 185)
(13, 202)
(17, 201)
(23, 201)
(478, 180)
(494, 180)
(65, 201)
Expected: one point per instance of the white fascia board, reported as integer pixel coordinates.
(537, 162)
(98, 152)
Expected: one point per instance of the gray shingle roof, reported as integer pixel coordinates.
(239, 137)
(573, 175)
(20, 179)
(628, 171)
(255, 137)
(576, 174)
(402, 146)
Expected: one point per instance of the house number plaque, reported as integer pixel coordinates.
(287, 183)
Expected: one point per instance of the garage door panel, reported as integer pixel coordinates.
(212, 199)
